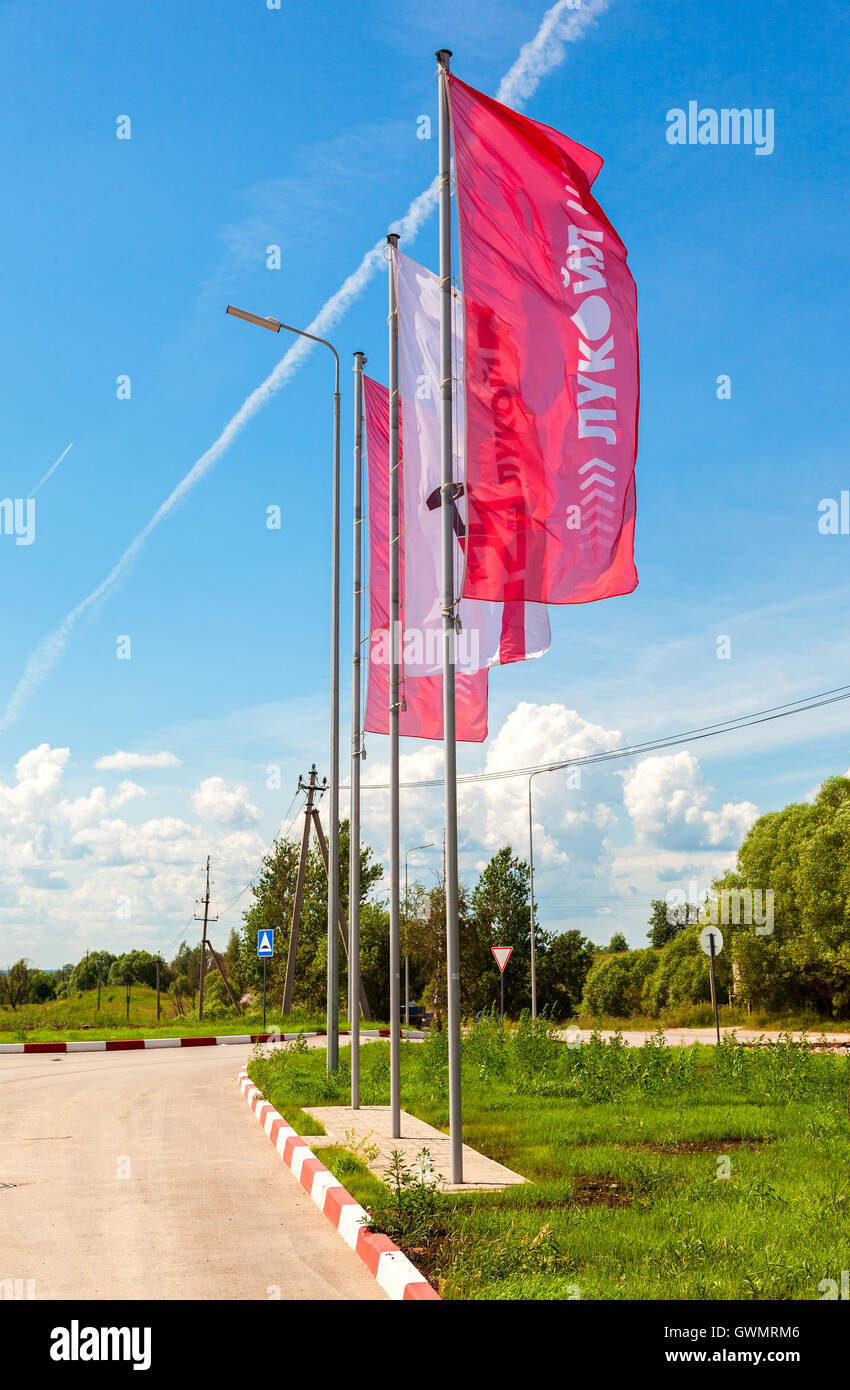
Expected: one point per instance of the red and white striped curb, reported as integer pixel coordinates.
(399, 1279)
(134, 1044)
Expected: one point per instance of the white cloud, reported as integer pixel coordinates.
(129, 762)
(68, 864)
(94, 806)
(214, 800)
(669, 802)
(38, 773)
(571, 808)
(84, 809)
(127, 791)
(165, 839)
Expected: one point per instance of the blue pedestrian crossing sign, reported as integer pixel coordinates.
(265, 943)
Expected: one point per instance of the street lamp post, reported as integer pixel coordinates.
(531, 890)
(333, 835)
(413, 850)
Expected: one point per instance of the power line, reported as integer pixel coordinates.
(724, 726)
(253, 877)
(259, 869)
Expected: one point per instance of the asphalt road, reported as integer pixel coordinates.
(144, 1175)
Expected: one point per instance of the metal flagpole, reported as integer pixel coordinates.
(395, 703)
(356, 750)
(333, 829)
(450, 749)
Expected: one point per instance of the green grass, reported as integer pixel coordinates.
(65, 1020)
(622, 1147)
(300, 1121)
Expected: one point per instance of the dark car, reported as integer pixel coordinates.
(417, 1013)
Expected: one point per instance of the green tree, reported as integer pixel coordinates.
(42, 986)
(802, 855)
(682, 976)
(134, 967)
(231, 960)
(375, 957)
(562, 968)
(186, 964)
(426, 943)
(274, 894)
(500, 906)
(665, 921)
(84, 973)
(614, 987)
(618, 942)
(15, 984)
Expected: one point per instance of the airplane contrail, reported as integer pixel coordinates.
(52, 468)
(562, 24)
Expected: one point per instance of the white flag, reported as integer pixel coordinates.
(491, 634)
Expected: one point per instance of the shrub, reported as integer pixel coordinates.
(407, 1207)
(614, 986)
(536, 1052)
(484, 1047)
(682, 975)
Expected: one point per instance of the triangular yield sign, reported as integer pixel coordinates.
(265, 944)
(501, 953)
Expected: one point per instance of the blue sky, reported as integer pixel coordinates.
(298, 127)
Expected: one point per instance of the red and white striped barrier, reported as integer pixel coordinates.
(134, 1044)
(399, 1279)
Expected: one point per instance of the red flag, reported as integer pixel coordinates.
(551, 363)
(423, 695)
(491, 634)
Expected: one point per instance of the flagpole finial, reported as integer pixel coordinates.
(392, 238)
(443, 55)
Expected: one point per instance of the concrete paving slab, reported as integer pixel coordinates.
(372, 1123)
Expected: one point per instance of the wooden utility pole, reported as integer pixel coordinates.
(311, 819)
(311, 788)
(220, 968)
(206, 918)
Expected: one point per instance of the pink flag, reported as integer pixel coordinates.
(550, 363)
(423, 695)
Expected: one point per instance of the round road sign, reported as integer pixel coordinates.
(705, 940)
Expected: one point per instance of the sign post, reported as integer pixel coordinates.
(265, 948)
(502, 956)
(711, 941)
